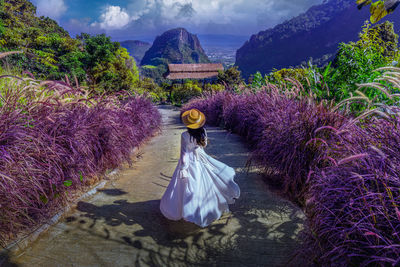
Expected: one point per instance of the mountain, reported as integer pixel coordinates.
(136, 48)
(175, 46)
(315, 33)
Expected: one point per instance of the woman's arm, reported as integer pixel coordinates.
(184, 159)
(206, 137)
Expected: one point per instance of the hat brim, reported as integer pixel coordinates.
(200, 123)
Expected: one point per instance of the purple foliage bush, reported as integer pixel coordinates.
(346, 177)
(49, 148)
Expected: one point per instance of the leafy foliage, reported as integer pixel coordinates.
(108, 66)
(156, 92)
(230, 77)
(279, 77)
(154, 72)
(211, 88)
(24, 30)
(258, 80)
(183, 93)
(50, 53)
(355, 62)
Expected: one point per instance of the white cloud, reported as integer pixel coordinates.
(139, 8)
(239, 14)
(51, 8)
(242, 17)
(114, 17)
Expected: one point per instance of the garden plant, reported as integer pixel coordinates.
(56, 139)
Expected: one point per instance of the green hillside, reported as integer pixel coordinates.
(50, 53)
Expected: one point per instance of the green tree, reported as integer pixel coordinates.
(231, 77)
(50, 53)
(355, 62)
(43, 40)
(155, 72)
(108, 66)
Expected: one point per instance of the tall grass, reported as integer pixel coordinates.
(279, 127)
(344, 171)
(55, 139)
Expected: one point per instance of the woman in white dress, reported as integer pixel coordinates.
(201, 187)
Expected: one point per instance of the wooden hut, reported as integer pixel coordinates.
(193, 71)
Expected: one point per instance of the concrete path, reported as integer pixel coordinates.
(122, 226)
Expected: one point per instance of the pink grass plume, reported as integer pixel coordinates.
(353, 158)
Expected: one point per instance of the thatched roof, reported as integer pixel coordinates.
(193, 71)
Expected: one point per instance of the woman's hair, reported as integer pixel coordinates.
(199, 135)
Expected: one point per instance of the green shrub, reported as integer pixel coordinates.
(208, 87)
(147, 85)
(231, 77)
(281, 76)
(183, 93)
(258, 80)
(355, 62)
(154, 72)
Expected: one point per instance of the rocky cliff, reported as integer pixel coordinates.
(175, 46)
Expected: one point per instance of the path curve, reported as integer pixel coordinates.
(122, 226)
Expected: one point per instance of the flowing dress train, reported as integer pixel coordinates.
(201, 187)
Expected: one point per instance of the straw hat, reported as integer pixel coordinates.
(193, 118)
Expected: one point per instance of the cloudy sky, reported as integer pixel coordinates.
(130, 19)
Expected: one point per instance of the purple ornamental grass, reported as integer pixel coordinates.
(52, 147)
(345, 176)
(277, 128)
(212, 108)
(353, 207)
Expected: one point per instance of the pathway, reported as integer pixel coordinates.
(122, 226)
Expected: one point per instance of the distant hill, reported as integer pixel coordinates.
(222, 40)
(315, 34)
(175, 46)
(222, 48)
(136, 48)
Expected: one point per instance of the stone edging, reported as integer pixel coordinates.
(23, 242)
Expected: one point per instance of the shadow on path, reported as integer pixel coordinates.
(5, 261)
(260, 230)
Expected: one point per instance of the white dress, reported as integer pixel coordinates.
(201, 187)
